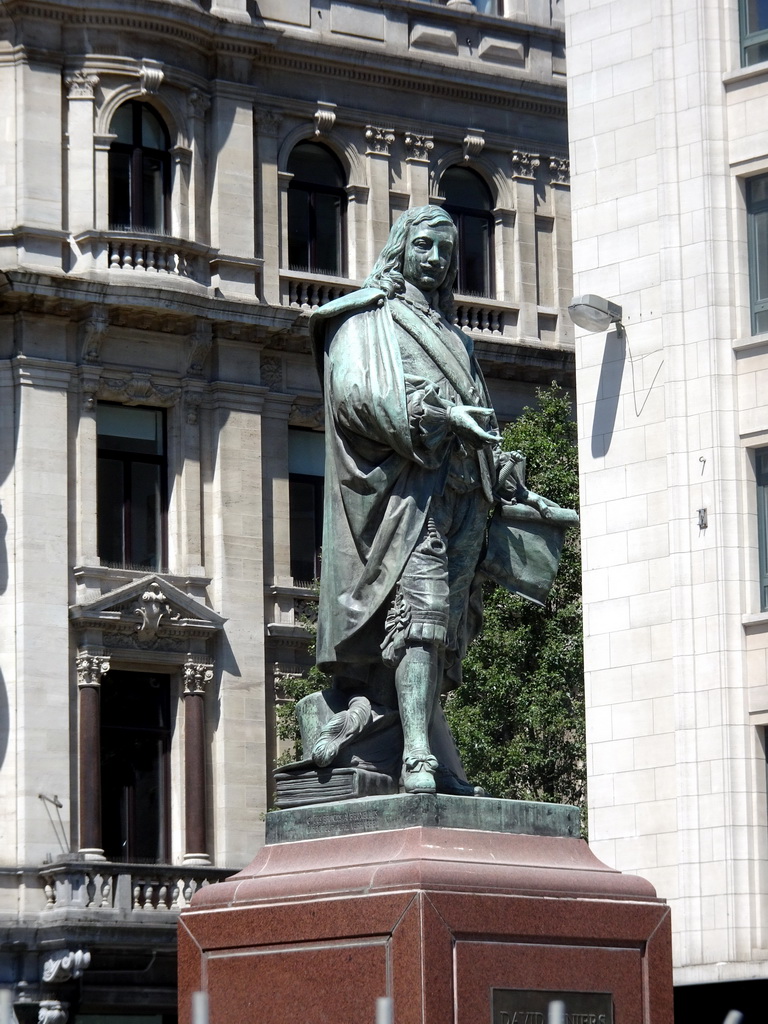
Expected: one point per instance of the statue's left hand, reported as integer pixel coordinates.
(468, 424)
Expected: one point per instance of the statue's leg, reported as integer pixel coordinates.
(416, 683)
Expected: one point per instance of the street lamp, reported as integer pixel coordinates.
(594, 313)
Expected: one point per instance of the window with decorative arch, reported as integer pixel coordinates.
(317, 206)
(139, 170)
(468, 200)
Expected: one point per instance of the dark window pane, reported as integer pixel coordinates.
(298, 229)
(119, 189)
(135, 739)
(111, 504)
(153, 133)
(310, 162)
(145, 515)
(327, 255)
(306, 511)
(130, 428)
(473, 252)
(122, 124)
(153, 200)
(462, 187)
(756, 15)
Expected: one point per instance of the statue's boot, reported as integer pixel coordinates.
(340, 730)
(415, 680)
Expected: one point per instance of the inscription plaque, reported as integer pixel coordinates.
(530, 1006)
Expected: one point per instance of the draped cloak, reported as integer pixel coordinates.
(382, 470)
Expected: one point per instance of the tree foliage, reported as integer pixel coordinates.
(518, 716)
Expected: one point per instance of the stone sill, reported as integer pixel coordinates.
(741, 75)
(754, 341)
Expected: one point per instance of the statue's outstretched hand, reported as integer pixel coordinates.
(468, 423)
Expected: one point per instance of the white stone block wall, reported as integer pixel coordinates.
(662, 125)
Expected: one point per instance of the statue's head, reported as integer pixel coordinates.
(390, 270)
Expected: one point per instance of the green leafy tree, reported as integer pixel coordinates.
(518, 716)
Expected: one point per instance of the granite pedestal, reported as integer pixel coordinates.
(461, 910)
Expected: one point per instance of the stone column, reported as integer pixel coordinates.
(378, 142)
(268, 124)
(198, 104)
(196, 676)
(559, 169)
(524, 167)
(80, 156)
(90, 668)
(418, 148)
(232, 199)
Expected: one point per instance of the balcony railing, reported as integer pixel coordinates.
(144, 256)
(103, 886)
(308, 291)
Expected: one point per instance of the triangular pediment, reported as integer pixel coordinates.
(150, 605)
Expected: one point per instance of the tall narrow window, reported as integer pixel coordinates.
(317, 204)
(753, 19)
(135, 744)
(139, 170)
(757, 216)
(306, 458)
(469, 202)
(761, 474)
(132, 486)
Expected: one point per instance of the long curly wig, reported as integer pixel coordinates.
(387, 272)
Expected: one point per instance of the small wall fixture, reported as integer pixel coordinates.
(594, 313)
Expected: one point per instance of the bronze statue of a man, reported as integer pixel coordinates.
(413, 466)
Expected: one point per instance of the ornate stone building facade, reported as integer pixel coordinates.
(181, 182)
(667, 120)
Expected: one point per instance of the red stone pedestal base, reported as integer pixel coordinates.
(440, 919)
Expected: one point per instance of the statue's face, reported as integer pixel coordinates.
(427, 257)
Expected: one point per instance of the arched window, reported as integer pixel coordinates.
(317, 205)
(139, 170)
(469, 202)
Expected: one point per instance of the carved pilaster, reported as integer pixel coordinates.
(473, 143)
(271, 373)
(310, 415)
(325, 118)
(197, 675)
(81, 85)
(524, 165)
(198, 104)
(418, 146)
(378, 140)
(559, 170)
(90, 669)
(192, 402)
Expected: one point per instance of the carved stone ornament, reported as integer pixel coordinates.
(200, 343)
(560, 170)
(52, 1011)
(81, 85)
(198, 103)
(325, 118)
(197, 675)
(524, 165)
(309, 415)
(192, 402)
(473, 143)
(90, 669)
(378, 139)
(150, 611)
(418, 147)
(151, 77)
(269, 121)
(139, 389)
(271, 373)
(94, 328)
(65, 966)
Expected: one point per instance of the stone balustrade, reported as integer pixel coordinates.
(485, 315)
(308, 291)
(140, 253)
(103, 886)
